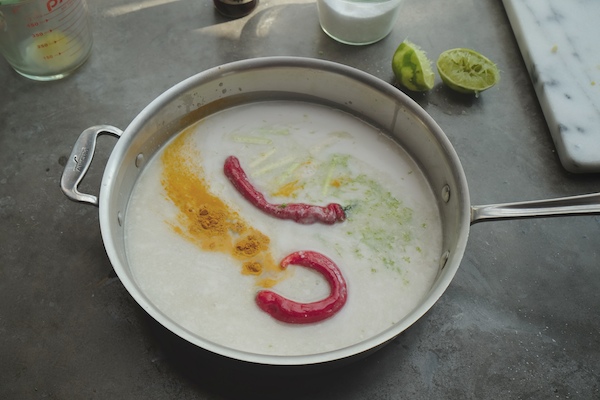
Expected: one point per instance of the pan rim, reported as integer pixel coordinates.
(107, 219)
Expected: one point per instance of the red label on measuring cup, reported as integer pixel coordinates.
(52, 4)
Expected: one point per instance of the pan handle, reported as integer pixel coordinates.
(80, 160)
(586, 204)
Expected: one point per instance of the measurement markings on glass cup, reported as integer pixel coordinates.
(71, 17)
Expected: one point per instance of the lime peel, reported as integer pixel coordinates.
(412, 68)
(467, 71)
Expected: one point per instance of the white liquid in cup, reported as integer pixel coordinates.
(358, 22)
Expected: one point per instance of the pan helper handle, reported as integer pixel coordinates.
(80, 160)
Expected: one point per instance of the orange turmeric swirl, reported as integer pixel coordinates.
(207, 221)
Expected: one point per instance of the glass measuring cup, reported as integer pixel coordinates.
(45, 39)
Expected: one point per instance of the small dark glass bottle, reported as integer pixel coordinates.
(235, 8)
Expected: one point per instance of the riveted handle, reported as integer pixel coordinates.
(80, 160)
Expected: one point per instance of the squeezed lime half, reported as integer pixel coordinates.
(467, 71)
(412, 68)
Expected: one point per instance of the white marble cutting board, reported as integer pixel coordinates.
(560, 43)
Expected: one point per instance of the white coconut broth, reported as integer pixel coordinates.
(388, 249)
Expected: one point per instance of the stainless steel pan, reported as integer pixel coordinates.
(359, 93)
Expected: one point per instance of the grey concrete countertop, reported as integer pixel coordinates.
(519, 321)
